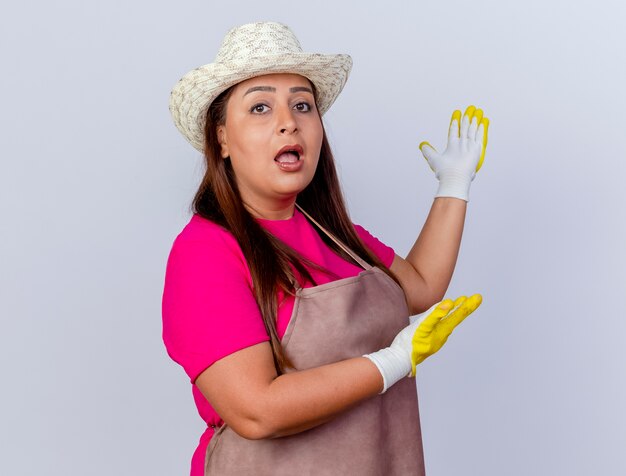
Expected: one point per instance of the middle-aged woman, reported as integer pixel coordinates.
(291, 322)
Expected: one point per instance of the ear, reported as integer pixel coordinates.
(223, 140)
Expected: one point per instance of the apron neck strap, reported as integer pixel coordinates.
(364, 264)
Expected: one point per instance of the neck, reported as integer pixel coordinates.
(275, 211)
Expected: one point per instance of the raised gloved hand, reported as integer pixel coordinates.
(456, 167)
(424, 336)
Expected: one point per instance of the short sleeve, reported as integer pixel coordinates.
(385, 253)
(208, 306)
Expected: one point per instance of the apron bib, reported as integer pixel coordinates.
(380, 436)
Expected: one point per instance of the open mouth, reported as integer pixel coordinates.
(288, 157)
(289, 154)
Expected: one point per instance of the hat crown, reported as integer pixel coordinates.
(255, 40)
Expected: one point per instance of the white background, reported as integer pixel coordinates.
(95, 183)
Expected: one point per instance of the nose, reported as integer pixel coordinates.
(286, 122)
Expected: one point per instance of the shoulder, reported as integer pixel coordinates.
(202, 240)
(384, 252)
(201, 230)
(204, 255)
(208, 305)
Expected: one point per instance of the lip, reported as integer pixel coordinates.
(298, 148)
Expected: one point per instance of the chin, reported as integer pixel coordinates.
(292, 187)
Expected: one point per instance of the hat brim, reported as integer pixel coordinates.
(196, 90)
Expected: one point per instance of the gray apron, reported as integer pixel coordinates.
(380, 436)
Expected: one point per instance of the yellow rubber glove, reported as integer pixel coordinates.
(425, 335)
(456, 167)
(436, 325)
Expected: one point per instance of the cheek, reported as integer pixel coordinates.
(315, 163)
(318, 142)
(314, 133)
(254, 142)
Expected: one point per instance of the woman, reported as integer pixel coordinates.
(294, 328)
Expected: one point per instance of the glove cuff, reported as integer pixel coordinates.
(454, 183)
(392, 364)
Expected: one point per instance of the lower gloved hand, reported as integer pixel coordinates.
(456, 167)
(424, 336)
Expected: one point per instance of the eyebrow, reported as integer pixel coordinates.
(273, 89)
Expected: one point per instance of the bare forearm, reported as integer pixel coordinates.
(435, 252)
(297, 401)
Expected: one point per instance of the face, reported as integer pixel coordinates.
(264, 116)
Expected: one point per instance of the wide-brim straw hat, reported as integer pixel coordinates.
(250, 50)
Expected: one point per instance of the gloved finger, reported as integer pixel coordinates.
(474, 123)
(457, 303)
(465, 308)
(455, 125)
(465, 122)
(429, 153)
(478, 115)
(441, 310)
(444, 307)
(481, 136)
(481, 132)
(425, 329)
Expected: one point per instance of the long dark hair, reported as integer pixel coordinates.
(269, 259)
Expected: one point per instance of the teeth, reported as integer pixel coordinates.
(287, 158)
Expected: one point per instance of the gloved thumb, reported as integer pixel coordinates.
(429, 153)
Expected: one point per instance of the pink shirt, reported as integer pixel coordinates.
(209, 310)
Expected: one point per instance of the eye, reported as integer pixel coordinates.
(258, 108)
(303, 107)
